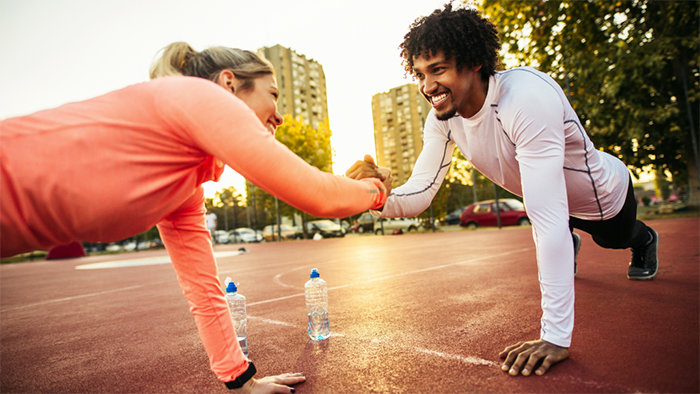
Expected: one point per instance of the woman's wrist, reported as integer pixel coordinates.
(243, 379)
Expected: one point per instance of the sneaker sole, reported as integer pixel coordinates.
(651, 276)
(577, 247)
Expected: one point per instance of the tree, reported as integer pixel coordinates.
(630, 69)
(229, 203)
(312, 145)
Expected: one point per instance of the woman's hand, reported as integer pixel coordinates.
(272, 384)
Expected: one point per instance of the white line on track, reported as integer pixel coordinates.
(143, 261)
(600, 386)
(279, 281)
(465, 359)
(75, 297)
(391, 276)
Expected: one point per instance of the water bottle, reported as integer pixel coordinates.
(236, 304)
(316, 292)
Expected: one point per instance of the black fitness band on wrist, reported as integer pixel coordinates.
(243, 379)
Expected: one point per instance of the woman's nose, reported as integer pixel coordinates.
(278, 119)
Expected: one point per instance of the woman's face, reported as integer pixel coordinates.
(262, 99)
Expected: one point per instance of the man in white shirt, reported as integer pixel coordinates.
(518, 129)
(212, 223)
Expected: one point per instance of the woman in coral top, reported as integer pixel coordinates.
(107, 168)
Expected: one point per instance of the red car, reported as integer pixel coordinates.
(484, 214)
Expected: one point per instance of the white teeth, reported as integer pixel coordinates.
(438, 99)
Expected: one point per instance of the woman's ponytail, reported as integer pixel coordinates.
(173, 61)
(180, 59)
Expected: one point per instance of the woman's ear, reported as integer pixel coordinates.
(227, 81)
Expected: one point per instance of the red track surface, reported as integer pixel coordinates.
(415, 313)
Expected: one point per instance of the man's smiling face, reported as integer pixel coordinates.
(449, 91)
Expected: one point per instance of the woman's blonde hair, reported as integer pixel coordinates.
(180, 59)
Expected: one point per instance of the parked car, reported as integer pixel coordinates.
(269, 233)
(114, 247)
(325, 227)
(221, 236)
(244, 235)
(345, 225)
(389, 225)
(365, 223)
(484, 214)
(453, 217)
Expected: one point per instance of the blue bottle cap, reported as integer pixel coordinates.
(314, 273)
(231, 288)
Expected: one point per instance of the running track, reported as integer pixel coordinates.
(415, 313)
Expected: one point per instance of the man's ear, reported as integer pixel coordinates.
(227, 80)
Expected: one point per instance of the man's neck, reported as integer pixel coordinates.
(476, 102)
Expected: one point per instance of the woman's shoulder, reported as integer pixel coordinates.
(178, 93)
(190, 85)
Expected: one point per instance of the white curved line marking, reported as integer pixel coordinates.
(143, 261)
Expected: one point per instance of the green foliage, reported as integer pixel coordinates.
(312, 145)
(662, 187)
(227, 205)
(625, 62)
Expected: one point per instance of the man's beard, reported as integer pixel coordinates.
(447, 115)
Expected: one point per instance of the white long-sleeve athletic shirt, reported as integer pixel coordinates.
(528, 139)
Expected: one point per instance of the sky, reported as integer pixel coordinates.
(60, 51)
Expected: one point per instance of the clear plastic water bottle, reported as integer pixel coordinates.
(236, 304)
(316, 292)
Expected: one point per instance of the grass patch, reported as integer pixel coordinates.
(667, 211)
(33, 256)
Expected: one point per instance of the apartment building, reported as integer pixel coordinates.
(398, 117)
(301, 82)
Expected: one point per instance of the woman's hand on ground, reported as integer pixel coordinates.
(529, 354)
(272, 384)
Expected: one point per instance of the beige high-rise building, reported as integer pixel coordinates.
(399, 115)
(301, 82)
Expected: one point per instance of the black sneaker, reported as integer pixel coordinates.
(645, 260)
(577, 247)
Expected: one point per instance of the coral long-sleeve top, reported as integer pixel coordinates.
(116, 165)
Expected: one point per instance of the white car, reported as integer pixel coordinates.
(244, 235)
(391, 224)
(221, 237)
(114, 247)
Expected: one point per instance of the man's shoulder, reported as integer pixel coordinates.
(521, 80)
(523, 87)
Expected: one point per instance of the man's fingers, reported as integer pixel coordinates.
(366, 173)
(507, 350)
(353, 168)
(524, 357)
(535, 357)
(545, 365)
(510, 359)
(519, 361)
(384, 172)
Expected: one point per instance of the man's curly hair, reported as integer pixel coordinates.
(461, 33)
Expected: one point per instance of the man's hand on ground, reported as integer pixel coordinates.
(529, 354)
